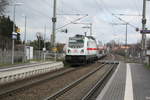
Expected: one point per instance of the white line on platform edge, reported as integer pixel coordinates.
(128, 87)
(103, 92)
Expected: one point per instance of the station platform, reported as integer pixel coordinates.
(130, 81)
(5, 67)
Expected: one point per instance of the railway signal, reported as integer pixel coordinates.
(64, 30)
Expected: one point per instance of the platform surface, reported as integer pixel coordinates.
(129, 82)
(15, 66)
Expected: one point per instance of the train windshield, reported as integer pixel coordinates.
(76, 43)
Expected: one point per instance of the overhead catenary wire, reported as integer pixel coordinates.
(40, 13)
(113, 15)
(34, 13)
(110, 11)
(101, 6)
(116, 16)
(71, 12)
(124, 21)
(72, 9)
(71, 22)
(136, 6)
(107, 13)
(137, 11)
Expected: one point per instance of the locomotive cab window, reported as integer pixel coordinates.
(76, 43)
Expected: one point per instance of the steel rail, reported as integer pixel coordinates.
(99, 83)
(37, 81)
(73, 84)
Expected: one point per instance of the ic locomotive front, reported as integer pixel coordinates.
(81, 50)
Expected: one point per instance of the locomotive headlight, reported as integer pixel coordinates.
(82, 51)
(69, 50)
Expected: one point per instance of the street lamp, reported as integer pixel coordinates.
(13, 34)
(25, 36)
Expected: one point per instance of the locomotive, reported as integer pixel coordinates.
(81, 50)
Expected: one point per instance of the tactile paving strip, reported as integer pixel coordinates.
(116, 89)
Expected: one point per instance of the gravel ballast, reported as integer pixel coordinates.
(44, 89)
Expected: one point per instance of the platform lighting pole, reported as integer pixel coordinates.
(54, 19)
(126, 40)
(25, 35)
(45, 36)
(13, 41)
(44, 42)
(126, 33)
(143, 28)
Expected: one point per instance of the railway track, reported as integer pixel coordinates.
(60, 95)
(93, 93)
(65, 71)
(6, 94)
(37, 85)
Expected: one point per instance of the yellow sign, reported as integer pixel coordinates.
(18, 30)
(54, 49)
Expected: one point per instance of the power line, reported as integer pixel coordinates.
(37, 11)
(72, 9)
(109, 10)
(106, 11)
(72, 22)
(102, 7)
(124, 21)
(116, 16)
(134, 3)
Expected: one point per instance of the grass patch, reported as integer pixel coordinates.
(9, 64)
(147, 66)
(36, 60)
(5, 65)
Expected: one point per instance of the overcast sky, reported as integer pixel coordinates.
(39, 14)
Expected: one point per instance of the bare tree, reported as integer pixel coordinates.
(3, 4)
(39, 36)
(40, 40)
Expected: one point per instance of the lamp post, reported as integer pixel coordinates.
(13, 41)
(54, 20)
(44, 49)
(25, 36)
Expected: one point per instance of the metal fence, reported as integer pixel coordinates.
(6, 56)
(40, 55)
